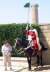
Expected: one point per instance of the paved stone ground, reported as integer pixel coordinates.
(21, 65)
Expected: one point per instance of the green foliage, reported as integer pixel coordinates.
(11, 31)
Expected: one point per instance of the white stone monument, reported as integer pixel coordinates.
(34, 12)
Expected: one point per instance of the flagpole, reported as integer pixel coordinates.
(28, 19)
(28, 16)
(30, 9)
(28, 6)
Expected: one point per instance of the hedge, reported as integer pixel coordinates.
(11, 31)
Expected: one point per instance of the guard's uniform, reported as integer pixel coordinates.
(33, 36)
(35, 45)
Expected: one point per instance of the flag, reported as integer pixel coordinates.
(27, 5)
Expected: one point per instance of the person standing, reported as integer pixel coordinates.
(6, 51)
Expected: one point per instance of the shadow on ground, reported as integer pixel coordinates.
(21, 69)
(41, 68)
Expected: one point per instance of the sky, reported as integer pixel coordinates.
(13, 11)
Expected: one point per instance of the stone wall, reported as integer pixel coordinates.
(45, 38)
(45, 30)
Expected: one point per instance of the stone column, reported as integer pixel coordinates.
(34, 13)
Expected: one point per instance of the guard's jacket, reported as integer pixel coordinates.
(33, 36)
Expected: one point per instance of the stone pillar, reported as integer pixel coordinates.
(34, 10)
